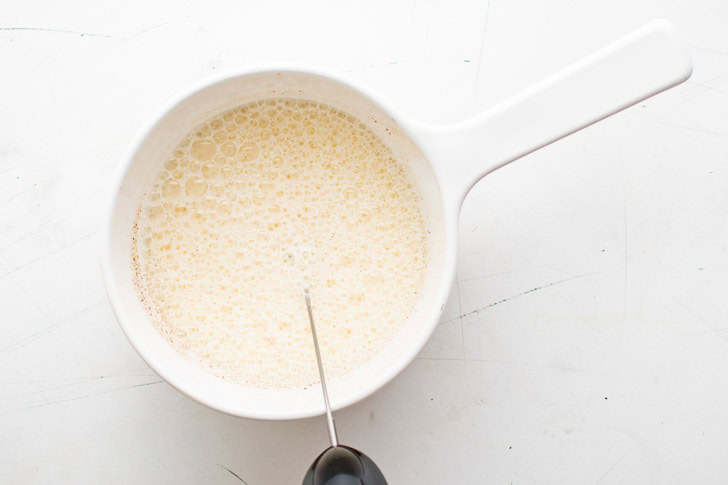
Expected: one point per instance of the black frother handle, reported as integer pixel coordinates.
(343, 465)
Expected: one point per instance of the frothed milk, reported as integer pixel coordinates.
(258, 202)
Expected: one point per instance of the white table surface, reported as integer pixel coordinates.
(605, 359)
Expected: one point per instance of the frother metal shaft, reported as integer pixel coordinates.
(329, 417)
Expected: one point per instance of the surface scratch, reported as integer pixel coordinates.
(709, 50)
(58, 31)
(715, 330)
(626, 246)
(532, 290)
(612, 467)
(61, 49)
(9, 349)
(507, 362)
(15, 196)
(71, 384)
(85, 396)
(528, 478)
(12, 243)
(490, 275)
(147, 29)
(699, 130)
(126, 373)
(709, 88)
(480, 55)
(460, 312)
(54, 251)
(232, 473)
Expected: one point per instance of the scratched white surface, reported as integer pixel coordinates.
(584, 343)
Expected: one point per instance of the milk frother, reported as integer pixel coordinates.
(338, 464)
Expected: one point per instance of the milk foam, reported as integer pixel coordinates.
(255, 204)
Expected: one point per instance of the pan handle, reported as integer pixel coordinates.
(635, 67)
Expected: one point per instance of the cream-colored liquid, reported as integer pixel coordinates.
(257, 203)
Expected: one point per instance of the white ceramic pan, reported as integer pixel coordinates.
(444, 163)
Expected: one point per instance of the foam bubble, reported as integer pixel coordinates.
(242, 197)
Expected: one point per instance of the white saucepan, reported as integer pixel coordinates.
(444, 162)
